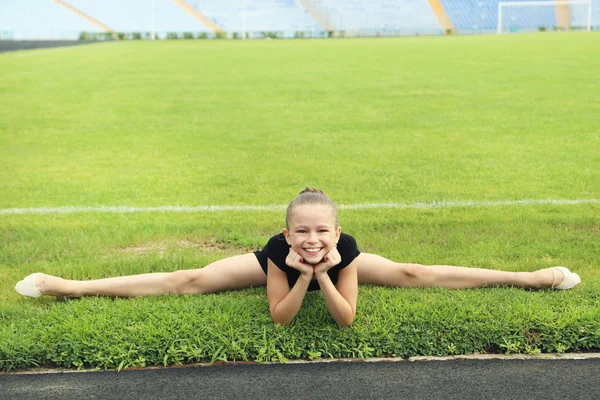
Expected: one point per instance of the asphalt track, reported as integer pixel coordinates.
(455, 379)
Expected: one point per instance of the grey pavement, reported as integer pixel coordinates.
(455, 379)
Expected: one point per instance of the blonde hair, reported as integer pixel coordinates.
(310, 196)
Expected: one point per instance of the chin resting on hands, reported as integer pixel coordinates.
(294, 260)
(330, 260)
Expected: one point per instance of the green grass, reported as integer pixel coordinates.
(251, 123)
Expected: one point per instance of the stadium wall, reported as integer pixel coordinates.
(14, 45)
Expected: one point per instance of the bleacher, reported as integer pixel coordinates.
(39, 19)
(45, 19)
(475, 16)
(383, 17)
(136, 15)
(282, 16)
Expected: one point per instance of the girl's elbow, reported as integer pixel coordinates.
(279, 320)
(345, 322)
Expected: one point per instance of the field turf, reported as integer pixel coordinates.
(250, 123)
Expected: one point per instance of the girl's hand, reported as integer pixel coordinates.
(295, 261)
(330, 260)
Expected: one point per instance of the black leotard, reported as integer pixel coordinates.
(277, 250)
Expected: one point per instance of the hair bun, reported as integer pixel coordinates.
(310, 190)
(310, 196)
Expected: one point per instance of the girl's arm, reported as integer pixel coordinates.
(283, 302)
(341, 298)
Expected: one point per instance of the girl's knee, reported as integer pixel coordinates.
(186, 282)
(416, 274)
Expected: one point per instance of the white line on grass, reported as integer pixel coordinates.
(274, 207)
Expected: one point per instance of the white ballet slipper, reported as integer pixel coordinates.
(26, 287)
(570, 279)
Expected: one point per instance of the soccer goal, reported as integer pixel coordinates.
(530, 16)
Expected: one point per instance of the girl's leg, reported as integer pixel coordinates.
(230, 273)
(376, 270)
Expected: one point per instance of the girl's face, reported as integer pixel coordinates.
(313, 232)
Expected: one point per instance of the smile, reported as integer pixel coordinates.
(313, 250)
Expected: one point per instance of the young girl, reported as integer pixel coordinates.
(311, 253)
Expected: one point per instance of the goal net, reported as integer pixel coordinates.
(543, 16)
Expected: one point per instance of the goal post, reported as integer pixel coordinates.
(531, 15)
